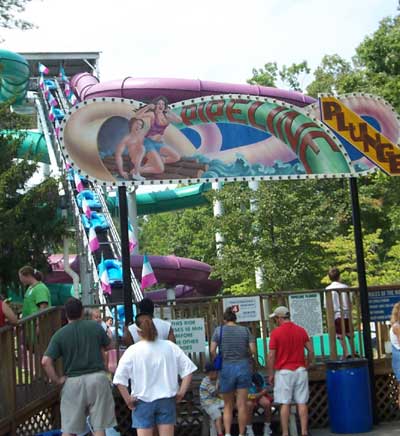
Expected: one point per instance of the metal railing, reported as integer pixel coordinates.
(113, 237)
(58, 162)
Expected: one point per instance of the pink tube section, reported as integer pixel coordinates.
(144, 89)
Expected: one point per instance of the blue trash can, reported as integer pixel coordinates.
(349, 396)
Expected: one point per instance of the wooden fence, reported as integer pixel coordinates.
(29, 404)
(25, 390)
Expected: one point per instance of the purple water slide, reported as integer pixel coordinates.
(56, 272)
(207, 289)
(173, 270)
(189, 277)
(87, 86)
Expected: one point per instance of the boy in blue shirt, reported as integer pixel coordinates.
(258, 396)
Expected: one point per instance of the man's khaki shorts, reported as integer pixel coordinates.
(87, 395)
(291, 386)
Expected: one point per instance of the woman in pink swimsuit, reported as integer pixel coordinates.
(157, 152)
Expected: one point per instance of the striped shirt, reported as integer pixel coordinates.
(208, 393)
(235, 342)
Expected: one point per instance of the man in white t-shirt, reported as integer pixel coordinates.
(164, 328)
(341, 310)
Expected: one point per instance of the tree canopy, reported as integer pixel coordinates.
(30, 221)
(9, 10)
(302, 228)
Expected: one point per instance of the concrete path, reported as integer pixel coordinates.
(387, 429)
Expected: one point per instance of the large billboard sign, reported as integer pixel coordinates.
(117, 141)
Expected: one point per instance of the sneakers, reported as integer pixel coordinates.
(249, 431)
(267, 430)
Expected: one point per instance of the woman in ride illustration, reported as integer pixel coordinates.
(157, 152)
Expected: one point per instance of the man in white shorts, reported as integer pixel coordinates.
(287, 367)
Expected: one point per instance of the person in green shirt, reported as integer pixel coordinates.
(86, 388)
(37, 296)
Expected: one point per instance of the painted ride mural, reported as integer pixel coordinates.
(229, 137)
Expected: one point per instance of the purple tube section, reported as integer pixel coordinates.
(87, 86)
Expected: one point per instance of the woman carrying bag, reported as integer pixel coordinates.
(236, 345)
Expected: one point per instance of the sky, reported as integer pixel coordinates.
(219, 40)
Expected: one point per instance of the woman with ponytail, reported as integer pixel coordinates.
(153, 366)
(37, 296)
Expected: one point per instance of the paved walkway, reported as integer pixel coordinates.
(387, 429)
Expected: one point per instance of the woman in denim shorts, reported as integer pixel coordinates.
(237, 345)
(153, 365)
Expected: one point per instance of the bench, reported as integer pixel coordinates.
(208, 427)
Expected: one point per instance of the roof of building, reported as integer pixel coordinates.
(73, 62)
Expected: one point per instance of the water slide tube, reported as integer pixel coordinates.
(33, 142)
(189, 277)
(14, 75)
(173, 270)
(168, 200)
(87, 86)
(172, 199)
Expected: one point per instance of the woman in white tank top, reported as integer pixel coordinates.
(395, 340)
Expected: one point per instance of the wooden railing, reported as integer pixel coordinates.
(326, 345)
(23, 384)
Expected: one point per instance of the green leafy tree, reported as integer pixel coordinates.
(292, 76)
(340, 253)
(237, 225)
(30, 223)
(375, 68)
(266, 76)
(185, 233)
(9, 11)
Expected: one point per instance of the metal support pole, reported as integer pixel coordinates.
(362, 284)
(218, 210)
(126, 261)
(133, 216)
(259, 273)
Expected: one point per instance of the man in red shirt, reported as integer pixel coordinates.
(287, 367)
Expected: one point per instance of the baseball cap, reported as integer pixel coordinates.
(280, 312)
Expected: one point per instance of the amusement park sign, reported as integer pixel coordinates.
(116, 141)
(361, 135)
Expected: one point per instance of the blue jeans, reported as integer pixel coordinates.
(150, 414)
(234, 375)
(396, 362)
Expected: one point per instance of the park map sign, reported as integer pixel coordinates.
(115, 141)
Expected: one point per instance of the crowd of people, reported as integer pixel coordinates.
(148, 372)
(238, 380)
